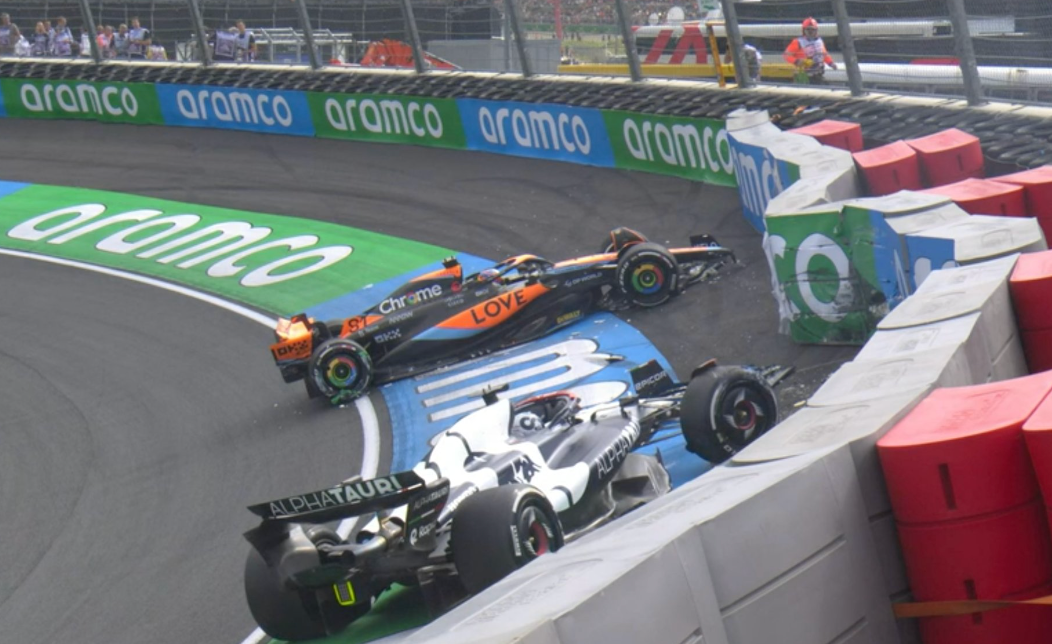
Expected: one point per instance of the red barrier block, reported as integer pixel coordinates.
(1037, 186)
(949, 156)
(839, 134)
(1037, 347)
(1031, 288)
(889, 168)
(984, 557)
(983, 197)
(1016, 625)
(1038, 434)
(960, 453)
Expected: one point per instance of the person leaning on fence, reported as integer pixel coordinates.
(246, 43)
(105, 41)
(40, 41)
(138, 40)
(9, 35)
(808, 53)
(121, 41)
(61, 38)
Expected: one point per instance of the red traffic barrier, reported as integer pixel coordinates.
(960, 452)
(839, 134)
(1031, 288)
(1037, 189)
(1015, 625)
(1037, 348)
(889, 168)
(949, 156)
(983, 197)
(1038, 434)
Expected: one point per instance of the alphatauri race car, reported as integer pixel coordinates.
(442, 317)
(504, 485)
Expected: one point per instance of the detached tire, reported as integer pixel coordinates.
(281, 612)
(724, 409)
(647, 275)
(497, 531)
(340, 369)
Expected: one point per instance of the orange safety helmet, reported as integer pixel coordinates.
(808, 22)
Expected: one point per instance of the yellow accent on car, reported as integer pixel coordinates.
(345, 596)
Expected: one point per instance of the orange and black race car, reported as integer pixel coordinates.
(443, 317)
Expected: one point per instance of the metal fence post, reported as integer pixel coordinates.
(736, 44)
(89, 21)
(630, 46)
(414, 37)
(308, 34)
(962, 38)
(520, 42)
(847, 47)
(202, 35)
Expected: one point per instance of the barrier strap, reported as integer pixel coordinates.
(962, 607)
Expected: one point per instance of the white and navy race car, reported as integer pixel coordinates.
(504, 485)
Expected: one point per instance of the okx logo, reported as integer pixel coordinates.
(255, 110)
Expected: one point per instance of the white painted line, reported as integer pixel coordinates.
(370, 423)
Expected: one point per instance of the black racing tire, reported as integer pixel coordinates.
(647, 275)
(499, 530)
(724, 409)
(341, 370)
(283, 613)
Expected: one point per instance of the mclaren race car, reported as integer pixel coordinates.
(442, 317)
(504, 485)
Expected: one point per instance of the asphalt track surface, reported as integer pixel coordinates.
(138, 423)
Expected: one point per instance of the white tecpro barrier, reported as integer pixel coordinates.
(776, 552)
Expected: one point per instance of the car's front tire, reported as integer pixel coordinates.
(724, 409)
(647, 275)
(499, 530)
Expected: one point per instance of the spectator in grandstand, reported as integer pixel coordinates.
(61, 38)
(105, 42)
(121, 41)
(9, 35)
(808, 53)
(246, 43)
(40, 42)
(156, 52)
(138, 40)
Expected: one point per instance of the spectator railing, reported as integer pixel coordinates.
(974, 48)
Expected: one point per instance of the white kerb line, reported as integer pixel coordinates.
(370, 424)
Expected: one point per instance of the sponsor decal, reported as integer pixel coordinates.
(387, 119)
(388, 336)
(566, 317)
(516, 544)
(499, 308)
(697, 149)
(540, 131)
(651, 381)
(422, 532)
(758, 180)
(401, 317)
(293, 350)
(613, 456)
(583, 279)
(110, 102)
(279, 264)
(256, 110)
(523, 470)
(344, 494)
(411, 298)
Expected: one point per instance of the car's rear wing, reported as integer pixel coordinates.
(347, 499)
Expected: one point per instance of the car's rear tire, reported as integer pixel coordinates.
(724, 409)
(499, 530)
(340, 369)
(647, 275)
(283, 613)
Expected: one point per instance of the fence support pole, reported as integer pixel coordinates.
(737, 45)
(202, 35)
(962, 38)
(847, 47)
(89, 20)
(414, 37)
(634, 69)
(520, 43)
(308, 34)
